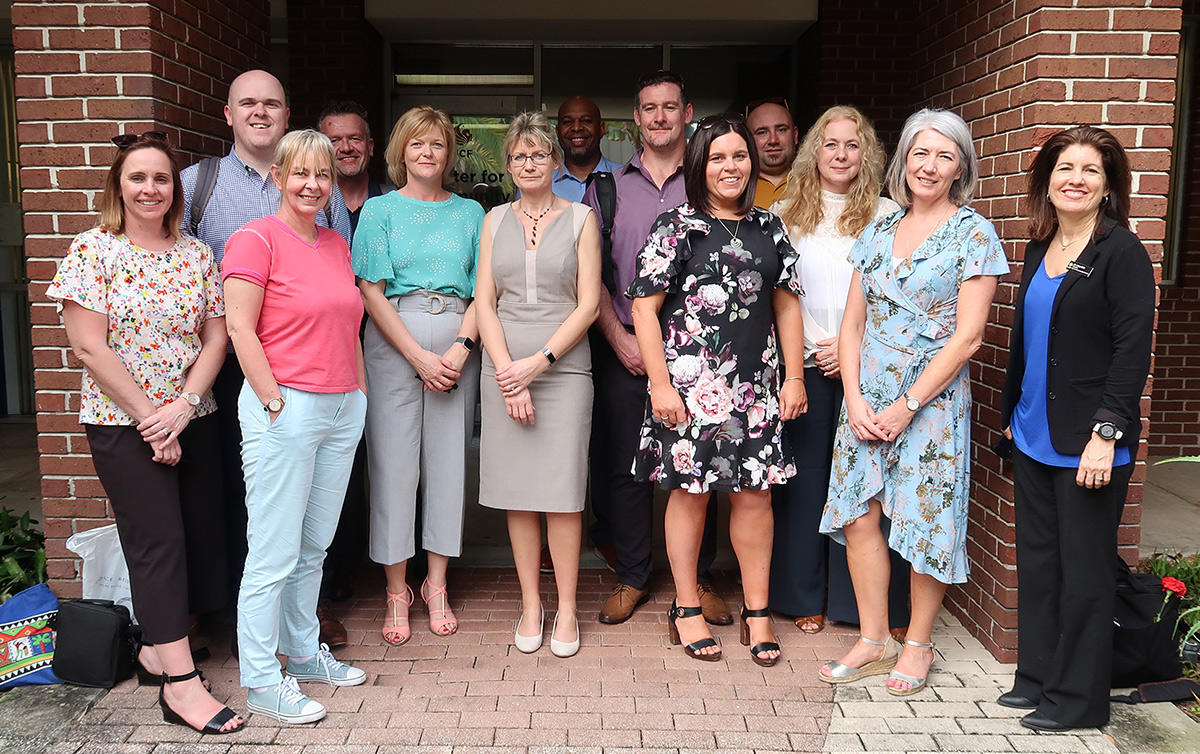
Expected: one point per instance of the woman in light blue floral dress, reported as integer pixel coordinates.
(714, 287)
(924, 282)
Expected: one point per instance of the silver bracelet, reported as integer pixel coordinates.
(797, 377)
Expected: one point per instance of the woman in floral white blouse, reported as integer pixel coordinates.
(143, 311)
(708, 298)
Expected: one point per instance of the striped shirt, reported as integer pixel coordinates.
(242, 195)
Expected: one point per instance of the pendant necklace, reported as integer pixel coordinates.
(735, 242)
(1063, 243)
(536, 220)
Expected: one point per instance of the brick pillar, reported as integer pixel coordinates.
(1018, 72)
(1176, 407)
(86, 72)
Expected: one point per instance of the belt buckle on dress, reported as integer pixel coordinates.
(436, 299)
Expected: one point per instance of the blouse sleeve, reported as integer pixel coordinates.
(370, 256)
(214, 299)
(982, 252)
(788, 257)
(81, 276)
(661, 259)
(247, 257)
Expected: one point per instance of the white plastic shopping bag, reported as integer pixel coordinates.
(105, 575)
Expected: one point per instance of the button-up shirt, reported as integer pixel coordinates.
(571, 188)
(767, 192)
(639, 203)
(242, 195)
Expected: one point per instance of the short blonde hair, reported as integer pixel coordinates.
(419, 120)
(297, 145)
(532, 127)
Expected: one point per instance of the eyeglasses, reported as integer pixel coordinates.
(538, 158)
(125, 141)
(782, 102)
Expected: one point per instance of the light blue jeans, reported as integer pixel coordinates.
(296, 474)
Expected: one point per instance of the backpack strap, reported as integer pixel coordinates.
(206, 181)
(606, 197)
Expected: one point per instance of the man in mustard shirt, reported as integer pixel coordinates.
(776, 136)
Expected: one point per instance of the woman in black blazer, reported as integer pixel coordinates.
(1079, 360)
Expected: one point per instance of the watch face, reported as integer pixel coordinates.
(1107, 431)
(912, 403)
(192, 399)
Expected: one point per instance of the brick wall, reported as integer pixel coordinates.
(86, 72)
(1018, 72)
(1175, 413)
(333, 53)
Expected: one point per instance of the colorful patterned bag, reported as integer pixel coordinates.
(26, 638)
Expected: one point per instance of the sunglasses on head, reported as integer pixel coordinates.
(709, 121)
(782, 102)
(125, 141)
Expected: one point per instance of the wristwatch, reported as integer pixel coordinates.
(192, 399)
(1108, 431)
(275, 405)
(466, 342)
(912, 403)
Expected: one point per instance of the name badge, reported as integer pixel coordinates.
(1082, 269)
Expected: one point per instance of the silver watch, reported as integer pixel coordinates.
(912, 403)
(192, 398)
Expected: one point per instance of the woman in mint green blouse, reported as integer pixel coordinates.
(415, 252)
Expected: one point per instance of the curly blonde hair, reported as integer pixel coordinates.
(802, 210)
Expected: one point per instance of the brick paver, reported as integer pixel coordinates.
(626, 691)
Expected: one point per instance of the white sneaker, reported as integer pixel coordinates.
(286, 703)
(323, 667)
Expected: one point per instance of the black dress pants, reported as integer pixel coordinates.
(620, 408)
(225, 390)
(170, 522)
(1066, 546)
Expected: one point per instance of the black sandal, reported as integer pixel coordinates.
(213, 726)
(146, 678)
(694, 648)
(762, 646)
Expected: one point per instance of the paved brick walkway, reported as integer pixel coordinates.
(625, 690)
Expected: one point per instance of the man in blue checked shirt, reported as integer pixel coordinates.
(258, 113)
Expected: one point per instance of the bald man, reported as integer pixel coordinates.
(776, 137)
(580, 129)
(257, 112)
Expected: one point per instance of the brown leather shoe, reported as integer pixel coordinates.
(621, 603)
(547, 565)
(333, 632)
(899, 634)
(715, 611)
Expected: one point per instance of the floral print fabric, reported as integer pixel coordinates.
(718, 323)
(156, 302)
(922, 478)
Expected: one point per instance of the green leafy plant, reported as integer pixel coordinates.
(22, 553)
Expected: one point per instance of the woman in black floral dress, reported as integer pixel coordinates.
(714, 285)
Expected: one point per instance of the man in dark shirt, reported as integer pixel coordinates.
(345, 123)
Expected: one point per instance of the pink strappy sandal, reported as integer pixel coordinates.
(396, 630)
(442, 622)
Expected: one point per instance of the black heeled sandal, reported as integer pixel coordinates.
(762, 646)
(212, 727)
(694, 648)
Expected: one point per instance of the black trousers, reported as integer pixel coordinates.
(170, 522)
(225, 390)
(804, 560)
(1066, 546)
(350, 542)
(625, 503)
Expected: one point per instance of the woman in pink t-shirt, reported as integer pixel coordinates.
(293, 312)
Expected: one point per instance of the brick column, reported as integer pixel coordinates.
(1018, 72)
(85, 72)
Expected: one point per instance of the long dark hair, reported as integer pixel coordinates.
(695, 160)
(1043, 220)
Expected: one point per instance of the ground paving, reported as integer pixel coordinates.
(627, 690)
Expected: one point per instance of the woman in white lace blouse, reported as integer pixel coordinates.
(832, 195)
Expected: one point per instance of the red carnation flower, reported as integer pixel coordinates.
(1175, 586)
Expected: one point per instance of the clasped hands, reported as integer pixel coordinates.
(885, 425)
(514, 381)
(162, 429)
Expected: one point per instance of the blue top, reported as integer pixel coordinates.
(241, 195)
(566, 185)
(1030, 422)
(416, 245)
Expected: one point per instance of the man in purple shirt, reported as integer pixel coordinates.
(650, 184)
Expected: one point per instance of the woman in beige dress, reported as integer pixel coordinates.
(537, 290)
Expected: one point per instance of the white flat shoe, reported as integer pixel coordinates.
(564, 648)
(529, 644)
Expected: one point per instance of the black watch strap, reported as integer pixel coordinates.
(466, 342)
